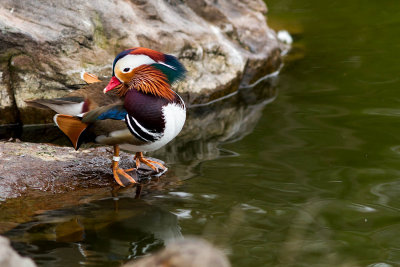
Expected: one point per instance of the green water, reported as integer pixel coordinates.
(316, 183)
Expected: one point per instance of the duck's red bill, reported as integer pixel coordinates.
(114, 82)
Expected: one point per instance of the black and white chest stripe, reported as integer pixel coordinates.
(140, 132)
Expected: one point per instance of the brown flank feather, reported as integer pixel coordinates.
(71, 127)
(150, 81)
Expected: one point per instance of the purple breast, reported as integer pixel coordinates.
(146, 109)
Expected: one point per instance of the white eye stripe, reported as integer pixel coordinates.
(133, 61)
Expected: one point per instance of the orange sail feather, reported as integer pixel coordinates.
(72, 127)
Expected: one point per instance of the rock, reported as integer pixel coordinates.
(10, 258)
(21, 166)
(185, 253)
(44, 45)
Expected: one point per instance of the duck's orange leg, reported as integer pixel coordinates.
(151, 163)
(120, 173)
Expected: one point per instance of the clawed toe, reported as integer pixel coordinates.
(154, 165)
(124, 179)
(120, 175)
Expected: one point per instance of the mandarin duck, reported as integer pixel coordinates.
(136, 107)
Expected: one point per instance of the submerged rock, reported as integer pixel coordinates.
(44, 45)
(10, 258)
(185, 253)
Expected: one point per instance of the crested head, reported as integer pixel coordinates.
(138, 54)
(146, 70)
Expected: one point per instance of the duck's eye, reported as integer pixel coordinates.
(126, 69)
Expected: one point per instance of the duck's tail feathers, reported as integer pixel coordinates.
(72, 127)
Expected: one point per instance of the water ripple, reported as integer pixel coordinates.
(393, 112)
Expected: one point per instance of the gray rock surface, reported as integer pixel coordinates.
(10, 258)
(44, 45)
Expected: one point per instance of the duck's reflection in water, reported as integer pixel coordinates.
(96, 233)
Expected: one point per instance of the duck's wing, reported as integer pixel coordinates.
(95, 97)
(99, 121)
(112, 111)
(119, 113)
(113, 125)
